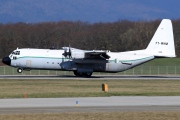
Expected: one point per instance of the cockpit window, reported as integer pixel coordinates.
(16, 53)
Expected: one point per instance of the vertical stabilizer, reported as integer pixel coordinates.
(162, 43)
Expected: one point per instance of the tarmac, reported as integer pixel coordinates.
(90, 104)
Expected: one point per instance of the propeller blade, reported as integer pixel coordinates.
(67, 52)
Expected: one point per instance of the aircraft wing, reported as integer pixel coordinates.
(85, 54)
(97, 54)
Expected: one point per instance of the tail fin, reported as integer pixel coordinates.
(162, 43)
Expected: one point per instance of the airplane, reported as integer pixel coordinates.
(84, 62)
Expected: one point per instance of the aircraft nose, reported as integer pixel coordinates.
(6, 60)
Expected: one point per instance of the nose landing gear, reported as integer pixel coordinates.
(19, 70)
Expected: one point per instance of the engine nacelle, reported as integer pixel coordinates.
(78, 54)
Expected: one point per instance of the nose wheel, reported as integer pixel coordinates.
(19, 70)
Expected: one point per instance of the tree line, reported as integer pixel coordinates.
(119, 36)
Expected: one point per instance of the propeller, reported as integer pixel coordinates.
(67, 52)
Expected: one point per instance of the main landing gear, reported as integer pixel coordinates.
(78, 74)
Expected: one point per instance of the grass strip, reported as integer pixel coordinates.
(87, 88)
(96, 116)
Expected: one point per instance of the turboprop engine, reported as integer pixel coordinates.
(73, 53)
(77, 54)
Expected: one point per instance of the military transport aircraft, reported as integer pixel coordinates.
(85, 62)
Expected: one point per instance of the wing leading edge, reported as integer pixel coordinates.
(86, 54)
(97, 54)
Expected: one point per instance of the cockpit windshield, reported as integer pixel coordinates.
(15, 53)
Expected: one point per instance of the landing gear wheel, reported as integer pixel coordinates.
(77, 74)
(87, 74)
(82, 74)
(19, 70)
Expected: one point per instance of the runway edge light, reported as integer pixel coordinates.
(24, 94)
(77, 104)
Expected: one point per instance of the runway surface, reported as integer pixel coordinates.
(95, 77)
(90, 104)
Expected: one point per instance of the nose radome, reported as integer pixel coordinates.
(6, 60)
